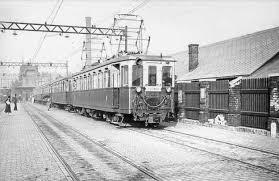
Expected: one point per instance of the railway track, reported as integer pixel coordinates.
(203, 144)
(227, 143)
(72, 174)
(139, 167)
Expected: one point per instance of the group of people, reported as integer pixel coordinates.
(8, 104)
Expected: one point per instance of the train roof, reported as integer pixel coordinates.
(128, 57)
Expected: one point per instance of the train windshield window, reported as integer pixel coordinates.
(152, 75)
(167, 76)
(137, 75)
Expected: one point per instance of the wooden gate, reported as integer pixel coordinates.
(191, 100)
(254, 103)
(218, 98)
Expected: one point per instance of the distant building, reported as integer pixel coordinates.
(7, 79)
(254, 55)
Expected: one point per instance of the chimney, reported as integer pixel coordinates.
(88, 44)
(193, 56)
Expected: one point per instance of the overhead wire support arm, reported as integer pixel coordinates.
(33, 64)
(6, 25)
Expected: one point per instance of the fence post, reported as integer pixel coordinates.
(274, 101)
(234, 116)
(204, 102)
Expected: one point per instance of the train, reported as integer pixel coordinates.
(130, 87)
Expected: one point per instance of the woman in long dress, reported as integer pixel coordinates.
(8, 105)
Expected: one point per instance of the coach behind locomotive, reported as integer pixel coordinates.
(130, 86)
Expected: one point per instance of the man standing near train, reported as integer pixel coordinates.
(15, 102)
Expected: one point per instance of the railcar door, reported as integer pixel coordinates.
(124, 90)
(115, 98)
(69, 92)
(115, 86)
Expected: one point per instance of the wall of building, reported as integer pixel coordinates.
(243, 102)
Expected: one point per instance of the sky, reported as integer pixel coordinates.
(171, 24)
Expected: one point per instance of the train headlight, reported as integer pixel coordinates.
(138, 90)
(168, 90)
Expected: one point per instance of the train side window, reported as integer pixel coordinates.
(90, 81)
(84, 82)
(80, 83)
(152, 75)
(167, 76)
(95, 81)
(137, 75)
(100, 80)
(108, 79)
(105, 79)
(124, 75)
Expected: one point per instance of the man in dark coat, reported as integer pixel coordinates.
(15, 102)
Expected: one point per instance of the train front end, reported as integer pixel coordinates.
(153, 94)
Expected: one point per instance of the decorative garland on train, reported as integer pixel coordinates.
(139, 102)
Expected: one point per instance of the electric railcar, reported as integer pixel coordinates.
(138, 87)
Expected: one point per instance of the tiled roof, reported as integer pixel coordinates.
(238, 56)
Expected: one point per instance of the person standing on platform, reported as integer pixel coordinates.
(15, 102)
(8, 105)
(48, 104)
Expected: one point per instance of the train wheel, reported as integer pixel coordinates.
(115, 119)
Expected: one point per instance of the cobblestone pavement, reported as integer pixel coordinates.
(2, 106)
(24, 155)
(169, 161)
(241, 138)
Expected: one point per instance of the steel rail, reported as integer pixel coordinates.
(219, 141)
(203, 150)
(72, 174)
(141, 168)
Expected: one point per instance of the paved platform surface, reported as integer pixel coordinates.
(24, 154)
(242, 138)
(170, 161)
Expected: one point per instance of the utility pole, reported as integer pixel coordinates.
(88, 43)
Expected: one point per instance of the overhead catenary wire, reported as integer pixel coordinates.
(141, 5)
(131, 11)
(43, 36)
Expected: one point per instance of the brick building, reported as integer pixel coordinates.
(252, 55)
(235, 80)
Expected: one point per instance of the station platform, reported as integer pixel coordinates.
(24, 154)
